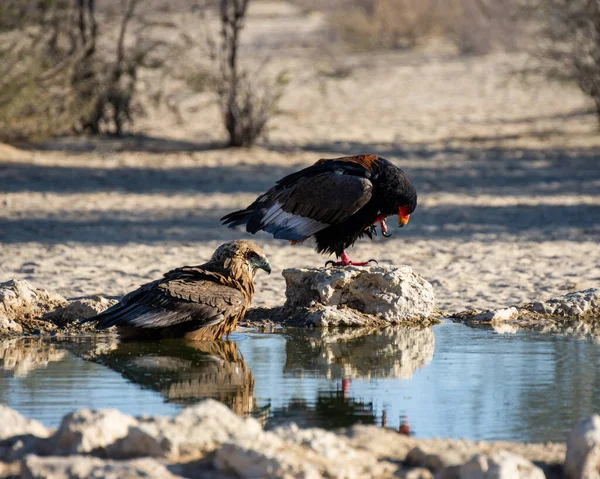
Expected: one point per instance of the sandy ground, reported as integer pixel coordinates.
(508, 175)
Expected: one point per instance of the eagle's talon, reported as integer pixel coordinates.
(330, 262)
(386, 234)
(373, 260)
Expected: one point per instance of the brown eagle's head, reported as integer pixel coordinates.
(241, 255)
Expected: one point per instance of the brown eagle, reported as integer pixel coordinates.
(201, 302)
(335, 200)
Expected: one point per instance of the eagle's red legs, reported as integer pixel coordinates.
(345, 261)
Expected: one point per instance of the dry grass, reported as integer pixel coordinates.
(390, 24)
(70, 70)
(473, 26)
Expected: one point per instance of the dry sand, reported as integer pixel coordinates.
(508, 175)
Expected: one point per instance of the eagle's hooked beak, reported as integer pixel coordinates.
(403, 216)
(261, 263)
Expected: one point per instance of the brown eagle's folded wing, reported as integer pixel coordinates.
(169, 303)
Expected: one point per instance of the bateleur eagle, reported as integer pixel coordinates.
(335, 200)
(201, 302)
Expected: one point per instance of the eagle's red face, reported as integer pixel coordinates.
(403, 215)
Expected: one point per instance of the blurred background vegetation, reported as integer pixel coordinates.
(74, 66)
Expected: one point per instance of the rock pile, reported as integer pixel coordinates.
(28, 310)
(209, 440)
(575, 314)
(578, 304)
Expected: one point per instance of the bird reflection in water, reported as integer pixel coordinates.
(185, 372)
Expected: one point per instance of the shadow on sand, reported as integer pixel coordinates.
(468, 171)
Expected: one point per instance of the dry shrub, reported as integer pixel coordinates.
(389, 24)
(477, 27)
(58, 75)
(246, 99)
(567, 44)
(473, 26)
(37, 58)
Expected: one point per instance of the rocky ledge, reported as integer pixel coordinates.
(372, 296)
(353, 296)
(210, 441)
(25, 310)
(576, 314)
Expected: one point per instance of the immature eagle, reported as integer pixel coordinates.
(335, 200)
(201, 302)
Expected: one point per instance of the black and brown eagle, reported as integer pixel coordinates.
(335, 200)
(202, 302)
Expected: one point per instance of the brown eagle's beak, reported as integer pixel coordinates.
(262, 263)
(403, 216)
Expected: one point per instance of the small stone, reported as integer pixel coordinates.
(497, 315)
(89, 432)
(583, 450)
(13, 424)
(500, 465)
(82, 467)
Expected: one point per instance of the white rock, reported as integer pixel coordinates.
(18, 435)
(392, 294)
(13, 424)
(89, 432)
(583, 450)
(500, 465)
(497, 315)
(193, 432)
(18, 300)
(264, 458)
(576, 304)
(82, 467)
(302, 453)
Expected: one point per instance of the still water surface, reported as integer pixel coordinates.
(449, 381)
